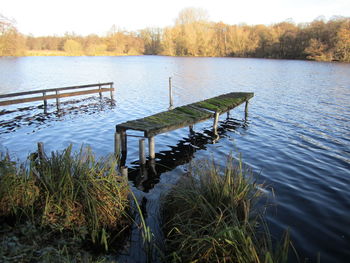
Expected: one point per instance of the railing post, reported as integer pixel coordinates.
(57, 100)
(99, 87)
(45, 102)
(111, 91)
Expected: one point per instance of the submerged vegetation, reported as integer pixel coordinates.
(194, 35)
(70, 201)
(210, 216)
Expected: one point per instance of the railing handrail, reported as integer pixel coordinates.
(53, 90)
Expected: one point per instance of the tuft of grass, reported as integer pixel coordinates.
(210, 216)
(69, 194)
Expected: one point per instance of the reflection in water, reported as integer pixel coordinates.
(146, 176)
(38, 116)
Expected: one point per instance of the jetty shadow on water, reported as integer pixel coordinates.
(144, 177)
(35, 116)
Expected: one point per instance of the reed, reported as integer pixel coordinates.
(211, 216)
(68, 194)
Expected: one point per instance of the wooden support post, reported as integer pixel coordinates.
(124, 171)
(123, 141)
(41, 153)
(117, 144)
(111, 86)
(216, 121)
(142, 155)
(57, 100)
(246, 110)
(99, 87)
(151, 147)
(191, 129)
(170, 94)
(152, 163)
(228, 114)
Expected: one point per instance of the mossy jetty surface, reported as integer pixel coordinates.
(186, 115)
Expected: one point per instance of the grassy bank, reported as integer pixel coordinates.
(61, 207)
(211, 216)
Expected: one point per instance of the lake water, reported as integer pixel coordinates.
(296, 138)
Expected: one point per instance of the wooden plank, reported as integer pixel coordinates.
(62, 95)
(53, 90)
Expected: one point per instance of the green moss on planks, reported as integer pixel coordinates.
(186, 115)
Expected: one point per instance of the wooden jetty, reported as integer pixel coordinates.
(55, 93)
(176, 118)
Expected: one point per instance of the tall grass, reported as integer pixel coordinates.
(68, 193)
(210, 216)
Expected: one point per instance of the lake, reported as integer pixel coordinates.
(296, 138)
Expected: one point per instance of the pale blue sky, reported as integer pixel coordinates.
(48, 17)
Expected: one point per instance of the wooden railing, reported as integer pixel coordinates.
(57, 95)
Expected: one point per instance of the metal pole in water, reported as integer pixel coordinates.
(170, 93)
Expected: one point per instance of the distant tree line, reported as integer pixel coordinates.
(194, 35)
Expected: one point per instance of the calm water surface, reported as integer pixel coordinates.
(297, 137)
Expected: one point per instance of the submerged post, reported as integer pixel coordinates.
(41, 153)
(170, 93)
(142, 155)
(124, 171)
(151, 147)
(191, 129)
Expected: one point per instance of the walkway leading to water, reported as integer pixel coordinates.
(176, 118)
